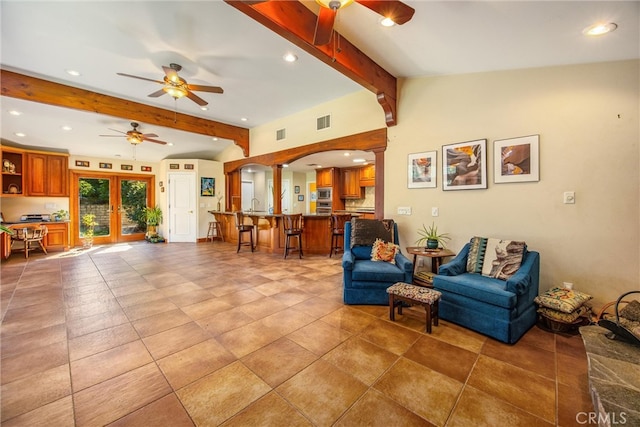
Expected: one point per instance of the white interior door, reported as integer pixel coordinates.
(182, 207)
(248, 195)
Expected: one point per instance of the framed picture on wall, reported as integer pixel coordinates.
(296, 189)
(516, 159)
(464, 165)
(207, 187)
(421, 170)
(301, 198)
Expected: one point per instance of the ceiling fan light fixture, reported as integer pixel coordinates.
(387, 22)
(175, 91)
(334, 4)
(134, 139)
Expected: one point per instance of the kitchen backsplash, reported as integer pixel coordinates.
(369, 200)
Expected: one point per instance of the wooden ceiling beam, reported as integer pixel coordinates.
(296, 23)
(15, 85)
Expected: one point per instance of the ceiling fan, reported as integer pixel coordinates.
(176, 86)
(136, 137)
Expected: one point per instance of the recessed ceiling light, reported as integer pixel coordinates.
(20, 134)
(66, 128)
(599, 29)
(387, 22)
(215, 138)
(347, 154)
(15, 112)
(244, 119)
(284, 165)
(73, 73)
(203, 108)
(170, 143)
(359, 160)
(290, 57)
(318, 166)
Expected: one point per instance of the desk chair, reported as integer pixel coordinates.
(28, 235)
(292, 226)
(242, 229)
(337, 232)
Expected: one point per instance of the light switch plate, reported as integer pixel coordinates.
(435, 212)
(569, 197)
(404, 210)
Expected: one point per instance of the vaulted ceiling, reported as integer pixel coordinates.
(222, 45)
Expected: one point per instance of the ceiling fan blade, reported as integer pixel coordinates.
(171, 74)
(324, 26)
(149, 135)
(116, 130)
(113, 136)
(154, 140)
(157, 93)
(394, 9)
(195, 98)
(141, 78)
(201, 88)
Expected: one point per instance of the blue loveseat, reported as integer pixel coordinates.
(502, 309)
(366, 281)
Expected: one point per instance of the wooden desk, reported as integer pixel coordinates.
(436, 261)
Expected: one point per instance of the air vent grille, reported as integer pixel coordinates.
(281, 134)
(323, 122)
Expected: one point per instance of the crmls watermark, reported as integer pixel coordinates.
(606, 418)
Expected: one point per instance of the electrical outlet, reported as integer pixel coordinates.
(404, 210)
(567, 285)
(435, 212)
(569, 197)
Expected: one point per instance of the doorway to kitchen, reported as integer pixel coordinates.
(117, 201)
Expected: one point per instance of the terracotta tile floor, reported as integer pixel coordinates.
(195, 334)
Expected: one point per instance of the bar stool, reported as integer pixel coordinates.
(337, 232)
(292, 226)
(242, 229)
(215, 231)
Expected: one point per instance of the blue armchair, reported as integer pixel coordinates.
(502, 309)
(366, 281)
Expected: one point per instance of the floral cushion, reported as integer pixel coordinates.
(560, 299)
(564, 317)
(413, 292)
(384, 251)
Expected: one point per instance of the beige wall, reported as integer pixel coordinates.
(584, 147)
(587, 119)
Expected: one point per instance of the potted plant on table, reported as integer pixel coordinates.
(432, 237)
(61, 215)
(89, 223)
(154, 218)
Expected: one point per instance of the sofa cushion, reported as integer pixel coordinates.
(477, 287)
(495, 257)
(384, 251)
(562, 316)
(565, 300)
(365, 231)
(367, 270)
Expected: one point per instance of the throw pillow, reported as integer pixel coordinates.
(565, 300)
(384, 251)
(502, 258)
(365, 231)
(564, 317)
(631, 311)
(475, 259)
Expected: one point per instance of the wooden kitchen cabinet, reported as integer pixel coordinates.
(326, 177)
(57, 237)
(351, 184)
(12, 173)
(47, 175)
(368, 176)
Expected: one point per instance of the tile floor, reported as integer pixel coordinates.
(195, 334)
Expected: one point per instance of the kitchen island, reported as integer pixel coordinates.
(268, 235)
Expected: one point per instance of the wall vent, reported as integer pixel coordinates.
(281, 134)
(323, 122)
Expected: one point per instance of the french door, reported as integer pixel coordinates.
(117, 203)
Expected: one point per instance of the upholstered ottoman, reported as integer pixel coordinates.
(400, 293)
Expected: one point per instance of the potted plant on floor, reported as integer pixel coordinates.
(154, 218)
(432, 237)
(89, 223)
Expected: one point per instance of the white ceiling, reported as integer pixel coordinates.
(217, 45)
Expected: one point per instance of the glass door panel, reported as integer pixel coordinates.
(133, 201)
(95, 199)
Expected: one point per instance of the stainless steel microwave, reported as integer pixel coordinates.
(324, 193)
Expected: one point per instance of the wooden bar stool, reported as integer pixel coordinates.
(215, 231)
(292, 226)
(243, 229)
(337, 232)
